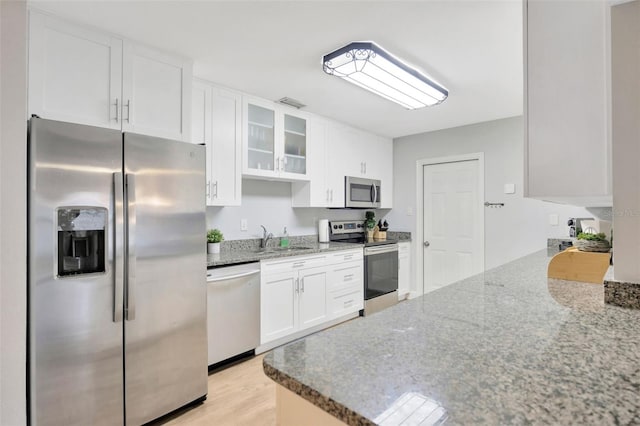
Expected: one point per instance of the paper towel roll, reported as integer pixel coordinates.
(323, 230)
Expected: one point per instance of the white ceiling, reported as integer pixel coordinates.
(274, 49)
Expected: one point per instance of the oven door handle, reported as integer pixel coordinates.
(380, 250)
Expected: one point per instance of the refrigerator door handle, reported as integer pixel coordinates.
(130, 300)
(118, 246)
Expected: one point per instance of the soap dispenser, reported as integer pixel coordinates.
(284, 240)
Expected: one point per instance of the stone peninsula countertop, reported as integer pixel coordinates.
(508, 346)
(231, 257)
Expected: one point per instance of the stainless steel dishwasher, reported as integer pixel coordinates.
(233, 311)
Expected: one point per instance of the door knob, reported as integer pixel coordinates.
(427, 243)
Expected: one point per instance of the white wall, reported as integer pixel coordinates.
(268, 203)
(13, 162)
(522, 225)
(625, 69)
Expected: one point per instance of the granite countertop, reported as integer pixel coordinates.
(508, 346)
(230, 257)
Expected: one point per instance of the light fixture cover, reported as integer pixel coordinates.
(367, 65)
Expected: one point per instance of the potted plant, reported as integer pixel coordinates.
(593, 242)
(214, 237)
(370, 223)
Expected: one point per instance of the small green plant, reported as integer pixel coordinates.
(214, 236)
(370, 221)
(592, 237)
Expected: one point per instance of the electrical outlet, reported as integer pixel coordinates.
(553, 219)
(243, 225)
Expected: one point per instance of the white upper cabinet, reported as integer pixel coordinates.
(200, 112)
(382, 164)
(275, 141)
(567, 147)
(156, 93)
(335, 151)
(325, 187)
(216, 122)
(85, 76)
(75, 74)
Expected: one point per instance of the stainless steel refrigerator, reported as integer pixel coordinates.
(117, 275)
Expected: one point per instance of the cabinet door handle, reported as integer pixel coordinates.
(297, 286)
(298, 264)
(332, 195)
(327, 195)
(365, 167)
(215, 190)
(117, 116)
(302, 284)
(208, 188)
(284, 162)
(277, 163)
(128, 111)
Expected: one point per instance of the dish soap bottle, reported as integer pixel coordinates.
(284, 240)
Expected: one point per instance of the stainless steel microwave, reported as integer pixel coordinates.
(361, 193)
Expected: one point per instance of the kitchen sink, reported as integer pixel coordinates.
(282, 249)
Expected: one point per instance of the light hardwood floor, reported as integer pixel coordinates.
(239, 395)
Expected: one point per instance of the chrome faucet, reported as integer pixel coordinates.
(265, 237)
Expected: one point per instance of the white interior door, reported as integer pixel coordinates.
(453, 224)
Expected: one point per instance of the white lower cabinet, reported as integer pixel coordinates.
(279, 303)
(292, 301)
(404, 270)
(305, 292)
(312, 297)
(346, 289)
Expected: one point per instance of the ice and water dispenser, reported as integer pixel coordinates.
(81, 240)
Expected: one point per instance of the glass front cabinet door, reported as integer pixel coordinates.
(275, 141)
(295, 145)
(261, 155)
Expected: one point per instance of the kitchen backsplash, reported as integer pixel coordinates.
(269, 204)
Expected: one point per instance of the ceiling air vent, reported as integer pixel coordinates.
(291, 102)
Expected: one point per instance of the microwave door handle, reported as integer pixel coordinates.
(372, 193)
(375, 193)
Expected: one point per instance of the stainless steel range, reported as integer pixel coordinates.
(380, 264)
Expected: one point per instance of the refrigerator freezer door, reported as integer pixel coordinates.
(166, 340)
(75, 334)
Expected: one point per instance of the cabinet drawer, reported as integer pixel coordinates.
(346, 303)
(345, 256)
(346, 277)
(292, 263)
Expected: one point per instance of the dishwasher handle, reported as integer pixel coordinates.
(211, 279)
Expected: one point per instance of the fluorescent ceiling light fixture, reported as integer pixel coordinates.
(367, 65)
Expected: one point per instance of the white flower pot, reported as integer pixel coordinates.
(213, 248)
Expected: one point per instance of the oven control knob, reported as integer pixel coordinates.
(340, 226)
(335, 226)
(359, 225)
